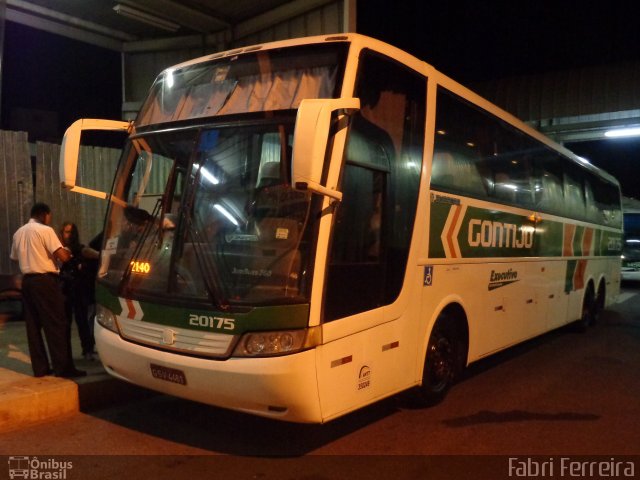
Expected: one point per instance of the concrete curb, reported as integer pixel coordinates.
(26, 400)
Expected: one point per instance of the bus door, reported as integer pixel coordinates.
(371, 237)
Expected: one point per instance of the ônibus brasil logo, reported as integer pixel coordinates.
(33, 468)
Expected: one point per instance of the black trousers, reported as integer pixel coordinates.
(44, 311)
(76, 306)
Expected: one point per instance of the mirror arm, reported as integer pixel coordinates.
(317, 188)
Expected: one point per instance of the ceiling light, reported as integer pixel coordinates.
(147, 18)
(623, 132)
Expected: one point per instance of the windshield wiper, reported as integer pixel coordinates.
(207, 267)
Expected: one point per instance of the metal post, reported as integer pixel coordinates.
(3, 19)
(349, 16)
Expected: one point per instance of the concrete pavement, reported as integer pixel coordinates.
(26, 400)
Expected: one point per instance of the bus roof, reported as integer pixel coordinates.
(363, 41)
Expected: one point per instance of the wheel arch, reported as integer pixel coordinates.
(601, 293)
(453, 311)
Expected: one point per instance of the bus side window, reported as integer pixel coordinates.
(549, 196)
(457, 172)
(606, 199)
(592, 211)
(504, 187)
(574, 194)
(443, 170)
(513, 180)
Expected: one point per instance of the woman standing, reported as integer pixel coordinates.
(77, 283)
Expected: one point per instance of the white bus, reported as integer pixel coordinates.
(631, 239)
(301, 228)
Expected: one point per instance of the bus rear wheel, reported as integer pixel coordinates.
(442, 363)
(599, 302)
(589, 310)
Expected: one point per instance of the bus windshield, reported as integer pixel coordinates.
(254, 82)
(208, 215)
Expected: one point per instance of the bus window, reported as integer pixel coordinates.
(607, 202)
(456, 169)
(374, 222)
(460, 148)
(549, 196)
(574, 193)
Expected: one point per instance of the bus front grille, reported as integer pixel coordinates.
(179, 340)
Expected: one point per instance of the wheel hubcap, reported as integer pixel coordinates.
(442, 364)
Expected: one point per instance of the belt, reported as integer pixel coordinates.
(27, 275)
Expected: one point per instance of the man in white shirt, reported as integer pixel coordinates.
(37, 249)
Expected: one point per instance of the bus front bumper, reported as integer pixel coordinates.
(283, 387)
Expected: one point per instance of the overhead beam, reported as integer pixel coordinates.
(578, 130)
(277, 15)
(217, 40)
(64, 30)
(181, 14)
(69, 26)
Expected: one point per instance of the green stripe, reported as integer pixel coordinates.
(438, 218)
(569, 274)
(577, 241)
(487, 233)
(278, 317)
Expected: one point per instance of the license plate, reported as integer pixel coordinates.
(168, 374)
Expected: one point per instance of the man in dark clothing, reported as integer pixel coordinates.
(37, 249)
(78, 280)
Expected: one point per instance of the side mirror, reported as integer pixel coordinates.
(311, 135)
(70, 151)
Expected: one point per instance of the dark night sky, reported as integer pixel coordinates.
(51, 73)
(470, 40)
(477, 40)
(481, 40)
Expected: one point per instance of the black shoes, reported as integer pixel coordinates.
(90, 356)
(73, 373)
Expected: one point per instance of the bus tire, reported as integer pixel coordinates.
(443, 361)
(588, 311)
(600, 301)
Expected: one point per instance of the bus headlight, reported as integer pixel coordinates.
(280, 342)
(106, 318)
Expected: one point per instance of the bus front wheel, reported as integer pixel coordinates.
(443, 362)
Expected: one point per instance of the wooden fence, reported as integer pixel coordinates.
(19, 174)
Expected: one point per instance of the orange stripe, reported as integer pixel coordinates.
(342, 361)
(578, 276)
(569, 232)
(131, 314)
(452, 228)
(391, 345)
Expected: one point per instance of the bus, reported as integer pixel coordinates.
(631, 244)
(302, 228)
(19, 467)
